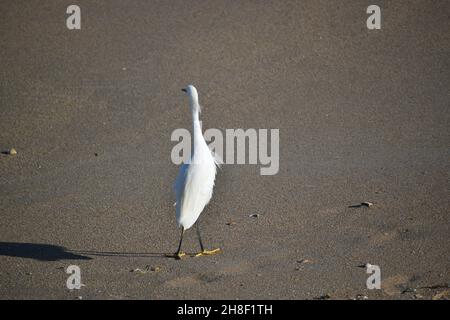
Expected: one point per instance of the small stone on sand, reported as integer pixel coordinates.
(304, 261)
(138, 270)
(323, 297)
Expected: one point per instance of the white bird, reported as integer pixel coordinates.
(195, 181)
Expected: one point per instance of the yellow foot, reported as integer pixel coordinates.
(208, 252)
(179, 255)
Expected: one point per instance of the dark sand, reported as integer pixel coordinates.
(363, 116)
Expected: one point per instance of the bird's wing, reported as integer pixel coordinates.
(180, 181)
(217, 160)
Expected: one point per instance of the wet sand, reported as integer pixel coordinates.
(363, 116)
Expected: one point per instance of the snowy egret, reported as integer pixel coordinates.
(195, 181)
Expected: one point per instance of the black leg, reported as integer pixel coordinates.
(181, 241)
(200, 237)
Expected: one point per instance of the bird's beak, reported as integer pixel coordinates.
(184, 90)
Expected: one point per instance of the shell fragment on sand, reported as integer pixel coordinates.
(362, 204)
(147, 269)
(11, 152)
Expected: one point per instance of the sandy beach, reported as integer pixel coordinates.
(363, 116)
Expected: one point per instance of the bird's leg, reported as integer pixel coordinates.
(204, 252)
(200, 237)
(179, 254)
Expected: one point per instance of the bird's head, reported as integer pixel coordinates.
(193, 97)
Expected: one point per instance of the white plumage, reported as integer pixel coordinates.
(195, 181)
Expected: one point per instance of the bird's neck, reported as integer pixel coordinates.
(196, 127)
(197, 131)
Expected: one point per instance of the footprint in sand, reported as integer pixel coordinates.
(394, 285)
(382, 238)
(181, 282)
(230, 269)
(235, 268)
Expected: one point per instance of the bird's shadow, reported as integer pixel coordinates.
(38, 251)
(49, 252)
(169, 255)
